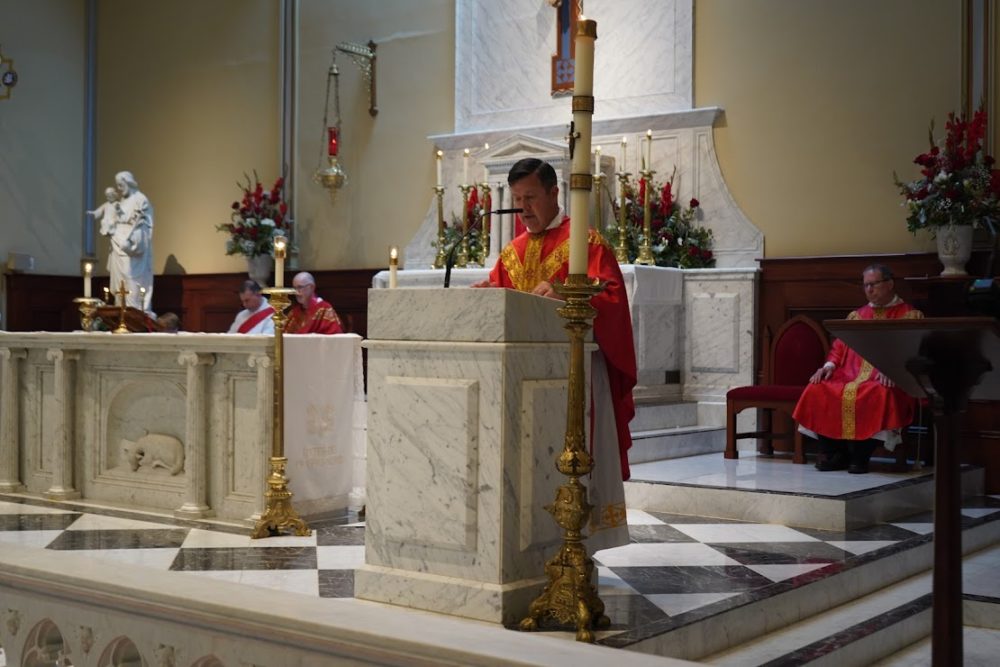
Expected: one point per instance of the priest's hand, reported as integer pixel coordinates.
(482, 283)
(822, 373)
(544, 288)
(883, 380)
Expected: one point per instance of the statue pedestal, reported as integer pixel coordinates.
(466, 413)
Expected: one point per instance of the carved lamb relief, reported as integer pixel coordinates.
(154, 450)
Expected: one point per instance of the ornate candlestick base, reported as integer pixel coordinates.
(278, 512)
(88, 308)
(570, 597)
(646, 247)
(645, 255)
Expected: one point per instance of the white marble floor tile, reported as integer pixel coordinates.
(198, 538)
(715, 533)
(18, 508)
(976, 512)
(232, 576)
(640, 518)
(857, 547)
(35, 539)
(782, 572)
(662, 555)
(340, 558)
(919, 528)
(286, 541)
(678, 603)
(609, 583)
(981, 572)
(305, 582)
(159, 559)
(100, 522)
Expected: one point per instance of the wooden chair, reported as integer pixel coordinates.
(798, 348)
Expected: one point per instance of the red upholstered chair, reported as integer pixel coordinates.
(798, 348)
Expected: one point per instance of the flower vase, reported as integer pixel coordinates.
(259, 268)
(954, 246)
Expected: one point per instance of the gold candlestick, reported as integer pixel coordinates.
(278, 511)
(463, 248)
(484, 239)
(646, 247)
(122, 293)
(621, 248)
(88, 308)
(439, 260)
(569, 596)
(598, 209)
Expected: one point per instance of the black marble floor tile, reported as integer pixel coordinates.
(686, 579)
(657, 533)
(782, 553)
(210, 558)
(280, 558)
(336, 583)
(36, 521)
(629, 611)
(154, 538)
(337, 536)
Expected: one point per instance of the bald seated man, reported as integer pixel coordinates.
(311, 314)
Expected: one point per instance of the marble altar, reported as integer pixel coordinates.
(179, 422)
(466, 415)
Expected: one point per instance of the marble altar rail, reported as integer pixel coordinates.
(179, 423)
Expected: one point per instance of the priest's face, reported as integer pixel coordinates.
(879, 290)
(250, 300)
(540, 205)
(303, 291)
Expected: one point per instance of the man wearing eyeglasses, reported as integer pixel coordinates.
(849, 405)
(311, 314)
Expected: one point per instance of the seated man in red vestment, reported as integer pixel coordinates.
(849, 406)
(538, 257)
(311, 314)
(255, 318)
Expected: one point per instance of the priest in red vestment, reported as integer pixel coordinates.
(534, 260)
(849, 405)
(311, 314)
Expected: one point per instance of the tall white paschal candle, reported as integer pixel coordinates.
(583, 116)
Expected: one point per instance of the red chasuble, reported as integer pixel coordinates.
(852, 404)
(532, 258)
(318, 318)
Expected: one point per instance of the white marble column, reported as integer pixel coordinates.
(265, 393)
(64, 439)
(195, 462)
(10, 478)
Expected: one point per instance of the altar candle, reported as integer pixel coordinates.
(280, 243)
(142, 297)
(624, 152)
(107, 295)
(440, 154)
(393, 267)
(88, 268)
(586, 34)
(597, 160)
(649, 149)
(465, 167)
(486, 172)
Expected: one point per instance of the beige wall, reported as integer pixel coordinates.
(823, 101)
(41, 134)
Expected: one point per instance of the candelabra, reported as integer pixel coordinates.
(88, 308)
(463, 248)
(621, 248)
(646, 247)
(278, 511)
(439, 260)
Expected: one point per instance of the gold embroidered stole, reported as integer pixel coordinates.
(527, 273)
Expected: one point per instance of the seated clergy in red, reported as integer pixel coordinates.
(311, 314)
(849, 405)
(531, 263)
(255, 318)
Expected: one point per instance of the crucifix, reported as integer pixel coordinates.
(564, 59)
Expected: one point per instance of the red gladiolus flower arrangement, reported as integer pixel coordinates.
(256, 219)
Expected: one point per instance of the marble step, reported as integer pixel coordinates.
(870, 608)
(673, 443)
(870, 628)
(656, 416)
(779, 491)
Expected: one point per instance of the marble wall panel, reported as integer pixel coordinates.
(541, 440)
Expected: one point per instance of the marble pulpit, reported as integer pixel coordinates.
(179, 423)
(466, 414)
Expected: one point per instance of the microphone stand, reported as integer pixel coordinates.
(450, 260)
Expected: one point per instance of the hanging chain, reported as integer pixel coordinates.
(333, 74)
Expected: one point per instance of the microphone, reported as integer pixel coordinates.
(450, 260)
(503, 211)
